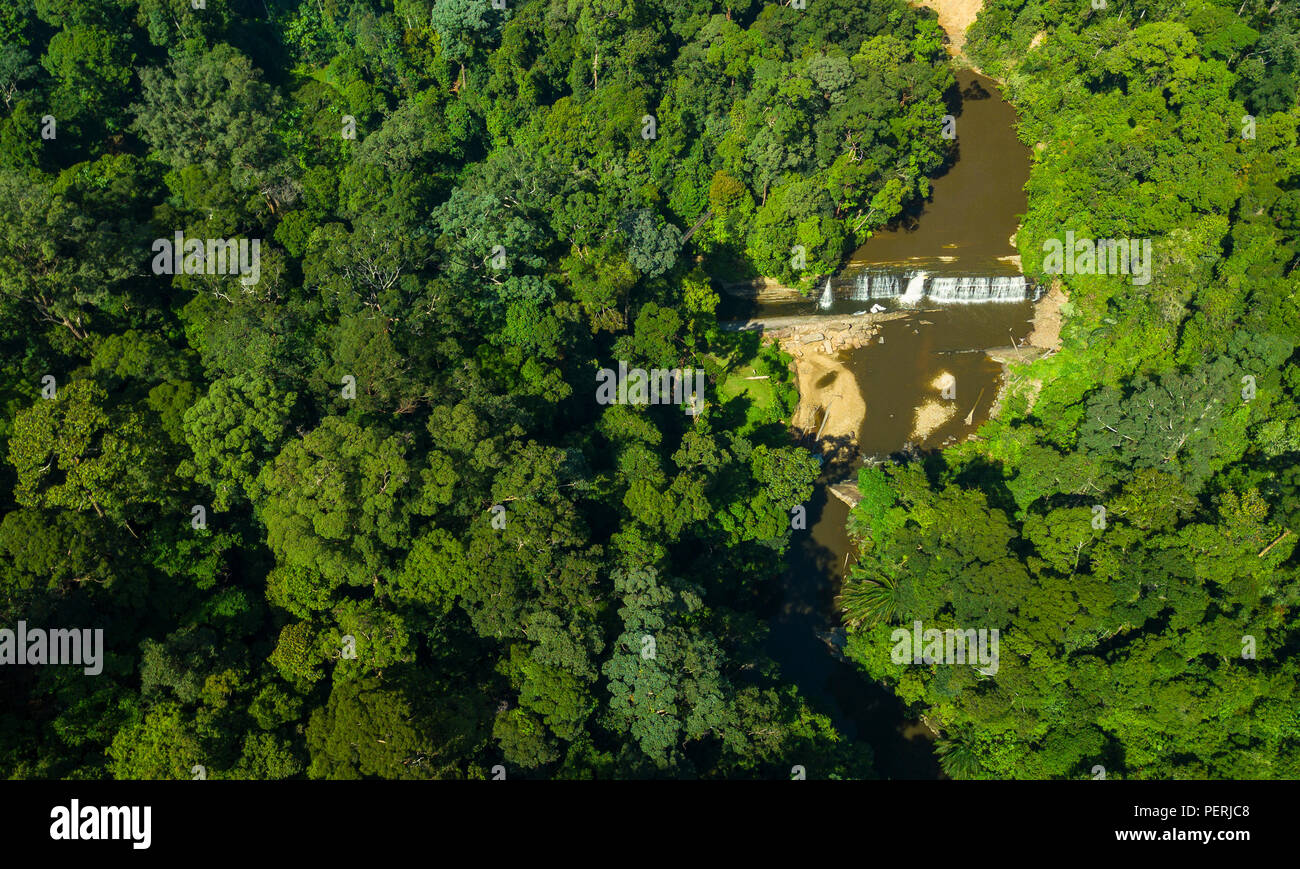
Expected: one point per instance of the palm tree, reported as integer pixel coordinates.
(870, 600)
(958, 760)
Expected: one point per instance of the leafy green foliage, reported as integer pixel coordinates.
(364, 517)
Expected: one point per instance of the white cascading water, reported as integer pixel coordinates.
(915, 289)
(861, 287)
(827, 299)
(877, 285)
(978, 289)
(910, 287)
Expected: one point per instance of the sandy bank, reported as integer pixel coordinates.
(830, 400)
(955, 17)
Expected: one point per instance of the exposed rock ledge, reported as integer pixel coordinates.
(846, 491)
(832, 332)
(764, 290)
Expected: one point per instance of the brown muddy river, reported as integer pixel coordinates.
(976, 205)
(898, 375)
(950, 262)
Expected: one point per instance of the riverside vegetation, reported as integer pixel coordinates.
(1129, 522)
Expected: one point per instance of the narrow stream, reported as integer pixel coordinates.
(956, 246)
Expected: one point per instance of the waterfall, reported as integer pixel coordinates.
(915, 289)
(909, 287)
(877, 285)
(967, 289)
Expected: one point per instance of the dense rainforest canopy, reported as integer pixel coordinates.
(361, 516)
(1130, 520)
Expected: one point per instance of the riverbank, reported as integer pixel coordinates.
(1043, 340)
(955, 17)
(832, 407)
